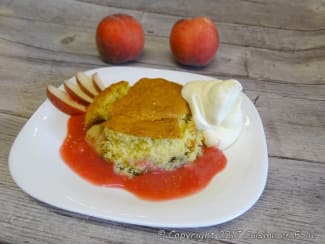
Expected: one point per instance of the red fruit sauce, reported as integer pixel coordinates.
(154, 185)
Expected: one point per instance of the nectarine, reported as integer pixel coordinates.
(119, 38)
(194, 41)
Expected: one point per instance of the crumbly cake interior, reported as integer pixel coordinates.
(146, 126)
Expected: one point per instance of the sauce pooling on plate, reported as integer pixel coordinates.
(154, 185)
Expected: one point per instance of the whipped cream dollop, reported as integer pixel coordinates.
(216, 110)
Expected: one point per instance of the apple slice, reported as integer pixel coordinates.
(86, 84)
(98, 82)
(76, 93)
(64, 102)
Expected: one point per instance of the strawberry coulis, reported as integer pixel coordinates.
(154, 185)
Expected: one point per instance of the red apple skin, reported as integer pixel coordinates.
(86, 84)
(194, 41)
(119, 38)
(76, 93)
(64, 102)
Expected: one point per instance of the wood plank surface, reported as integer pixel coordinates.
(275, 13)
(275, 48)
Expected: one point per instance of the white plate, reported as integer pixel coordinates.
(37, 168)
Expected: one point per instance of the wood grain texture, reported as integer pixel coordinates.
(277, 13)
(275, 48)
(269, 57)
(87, 15)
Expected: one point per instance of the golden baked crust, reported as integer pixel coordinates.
(152, 108)
(146, 127)
(100, 109)
(163, 128)
(152, 99)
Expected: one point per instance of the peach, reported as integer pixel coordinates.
(194, 41)
(119, 38)
(98, 82)
(64, 102)
(86, 84)
(78, 93)
(75, 92)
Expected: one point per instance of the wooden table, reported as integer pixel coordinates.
(275, 48)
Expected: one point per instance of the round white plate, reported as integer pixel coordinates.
(37, 168)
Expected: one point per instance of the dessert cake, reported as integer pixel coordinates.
(143, 127)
